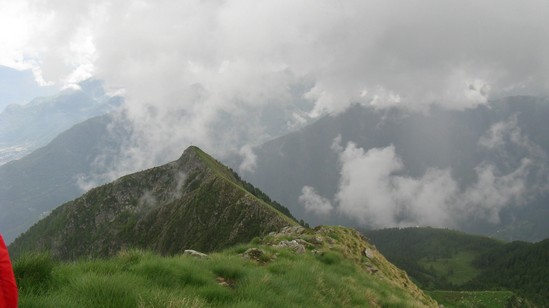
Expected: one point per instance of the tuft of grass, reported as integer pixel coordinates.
(228, 271)
(216, 294)
(329, 257)
(94, 290)
(33, 272)
(171, 273)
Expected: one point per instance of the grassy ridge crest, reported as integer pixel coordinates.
(330, 271)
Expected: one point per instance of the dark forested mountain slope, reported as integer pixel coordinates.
(518, 266)
(449, 260)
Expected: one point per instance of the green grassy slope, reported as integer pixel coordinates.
(331, 270)
(231, 176)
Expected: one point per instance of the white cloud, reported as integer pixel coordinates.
(365, 191)
(427, 200)
(493, 191)
(186, 66)
(505, 132)
(313, 202)
(249, 159)
(416, 51)
(374, 192)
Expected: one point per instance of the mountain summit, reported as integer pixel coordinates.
(192, 203)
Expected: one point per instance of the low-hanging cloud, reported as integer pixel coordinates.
(507, 133)
(374, 191)
(249, 161)
(313, 202)
(214, 72)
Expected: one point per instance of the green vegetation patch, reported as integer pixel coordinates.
(474, 299)
(33, 273)
(457, 270)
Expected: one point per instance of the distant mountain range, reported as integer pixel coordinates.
(192, 203)
(24, 128)
(34, 185)
(482, 170)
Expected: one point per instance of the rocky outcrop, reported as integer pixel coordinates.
(194, 253)
(352, 245)
(292, 245)
(255, 254)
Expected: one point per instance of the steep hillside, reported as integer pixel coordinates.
(35, 184)
(192, 203)
(296, 267)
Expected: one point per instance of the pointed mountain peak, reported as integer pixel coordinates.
(191, 152)
(194, 157)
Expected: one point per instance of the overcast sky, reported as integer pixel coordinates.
(204, 62)
(20, 87)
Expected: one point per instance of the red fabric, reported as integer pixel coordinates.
(8, 288)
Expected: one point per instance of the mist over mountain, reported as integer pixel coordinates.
(24, 128)
(35, 184)
(20, 87)
(482, 170)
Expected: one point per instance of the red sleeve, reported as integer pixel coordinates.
(8, 288)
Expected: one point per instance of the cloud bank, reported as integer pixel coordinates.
(375, 191)
(223, 74)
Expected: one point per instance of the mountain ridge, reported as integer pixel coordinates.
(176, 206)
